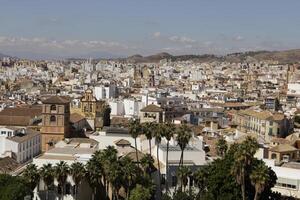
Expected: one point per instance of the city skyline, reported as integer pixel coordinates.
(40, 29)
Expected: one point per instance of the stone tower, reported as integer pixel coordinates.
(55, 121)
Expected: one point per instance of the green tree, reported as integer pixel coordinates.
(147, 163)
(183, 174)
(140, 193)
(183, 137)
(115, 178)
(47, 175)
(167, 131)
(135, 130)
(106, 115)
(13, 187)
(147, 129)
(259, 178)
(221, 147)
(129, 174)
(31, 175)
(77, 171)
(200, 177)
(61, 172)
(94, 173)
(243, 159)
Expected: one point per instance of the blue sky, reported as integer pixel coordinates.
(64, 28)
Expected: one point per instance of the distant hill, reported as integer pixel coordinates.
(288, 56)
(3, 55)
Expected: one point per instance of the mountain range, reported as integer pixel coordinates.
(287, 56)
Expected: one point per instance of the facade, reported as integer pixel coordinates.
(55, 121)
(20, 144)
(288, 178)
(88, 104)
(151, 113)
(264, 123)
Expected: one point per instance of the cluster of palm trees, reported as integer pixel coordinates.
(105, 172)
(114, 177)
(242, 167)
(48, 173)
(158, 131)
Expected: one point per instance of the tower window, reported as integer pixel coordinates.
(52, 118)
(53, 107)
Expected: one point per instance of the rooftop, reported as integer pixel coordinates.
(152, 108)
(57, 100)
(29, 133)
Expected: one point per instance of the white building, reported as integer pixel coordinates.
(20, 144)
(69, 151)
(110, 135)
(117, 108)
(105, 92)
(288, 178)
(132, 107)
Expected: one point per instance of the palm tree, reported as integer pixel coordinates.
(31, 175)
(221, 147)
(200, 177)
(47, 175)
(147, 129)
(115, 178)
(243, 158)
(167, 132)
(183, 137)
(94, 174)
(108, 157)
(135, 129)
(147, 164)
(238, 168)
(183, 173)
(61, 171)
(259, 178)
(129, 170)
(158, 130)
(250, 147)
(78, 173)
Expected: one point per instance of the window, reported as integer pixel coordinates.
(52, 118)
(273, 156)
(271, 123)
(163, 179)
(174, 181)
(3, 132)
(53, 107)
(9, 133)
(270, 131)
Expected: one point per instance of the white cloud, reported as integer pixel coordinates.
(238, 38)
(156, 34)
(62, 44)
(181, 39)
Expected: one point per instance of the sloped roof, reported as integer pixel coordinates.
(75, 117)
(15, 120)
(57, 100)
(22, 138)
(152, 108)
(31, 111)
(8, 165)
(283, 148)
(132, 155)
(122, 142)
